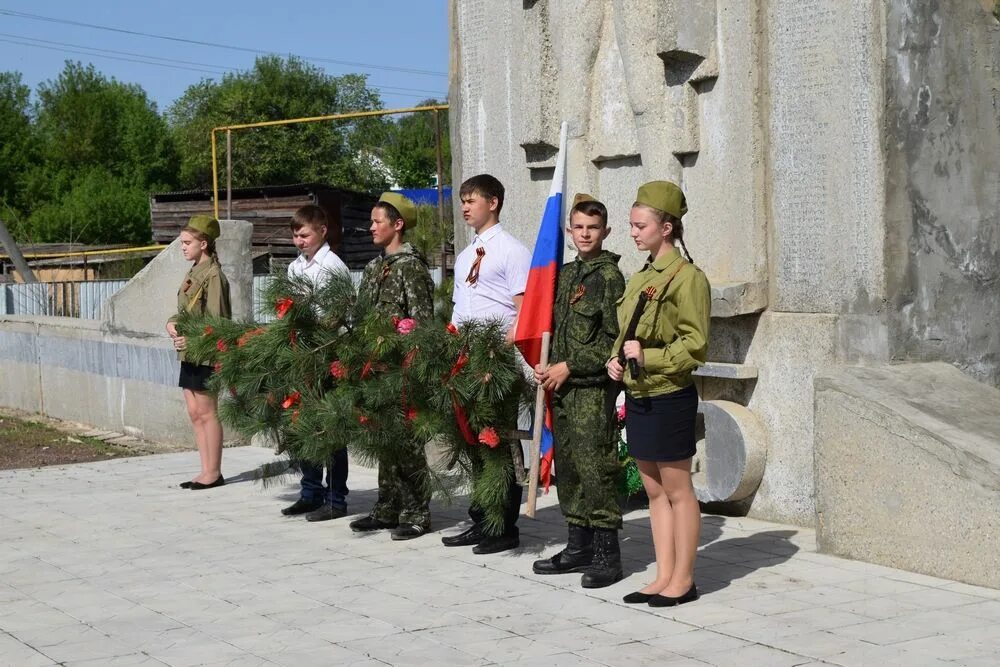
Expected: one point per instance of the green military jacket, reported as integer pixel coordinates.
(398, 285)
(205, 291)
(586, 321)
(673, 330)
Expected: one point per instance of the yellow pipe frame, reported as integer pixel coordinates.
(291, 121)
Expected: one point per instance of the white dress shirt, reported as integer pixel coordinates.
(319, 269)
(503, 274)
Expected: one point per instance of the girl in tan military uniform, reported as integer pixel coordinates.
(661, 402)
(204, 290)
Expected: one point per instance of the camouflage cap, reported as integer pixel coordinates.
(205, 224)
(582, 197)
(407, 209)
(663, 196)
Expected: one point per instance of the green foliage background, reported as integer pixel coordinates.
(80, 157)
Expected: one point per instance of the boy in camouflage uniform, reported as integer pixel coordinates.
(586, 447)
(398, 284)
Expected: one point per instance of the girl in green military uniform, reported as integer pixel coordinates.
(670, 301)
(204, 291)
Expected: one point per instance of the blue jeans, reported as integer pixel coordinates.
(335, 492)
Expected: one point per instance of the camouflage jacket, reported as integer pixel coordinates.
(586, 320)
(398, 285)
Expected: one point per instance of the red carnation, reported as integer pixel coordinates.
(338, 370)
(221, 346)
(291, 400)
(208, 331)
(217, 367)
(363, 420)
(620, 413)
(488, 436)
(242, 340)
(411, 415)
(452, 329)
(283, 306)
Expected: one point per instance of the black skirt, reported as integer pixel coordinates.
(194, 377)
(662, 428)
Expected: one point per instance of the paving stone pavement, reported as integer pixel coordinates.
(110, 563)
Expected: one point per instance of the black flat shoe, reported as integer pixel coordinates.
(467, 538)
(667, 601)
(301, 506)
(638, 598)
(198, 486)
(185, 485)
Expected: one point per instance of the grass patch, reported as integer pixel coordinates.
(29, 444)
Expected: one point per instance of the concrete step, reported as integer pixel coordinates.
(719, 369)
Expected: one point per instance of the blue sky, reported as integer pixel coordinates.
(384, 35)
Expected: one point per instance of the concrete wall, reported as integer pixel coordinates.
(908, 470)
(942, 212)
(119, 373)
(816, 192)
(74, 369)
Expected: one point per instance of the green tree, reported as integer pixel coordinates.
(278, 88)
(86, 120)
(16, 144)
(410, 148)
(101, 147)
(99, 208)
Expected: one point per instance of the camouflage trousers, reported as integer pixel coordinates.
(586, 457)
(404, 492)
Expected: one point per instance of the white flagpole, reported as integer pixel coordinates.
(558, 185)
(536, 433)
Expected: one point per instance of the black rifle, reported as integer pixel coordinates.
(633, 324)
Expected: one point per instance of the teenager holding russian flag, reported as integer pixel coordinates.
(586, 444)
(490, 279)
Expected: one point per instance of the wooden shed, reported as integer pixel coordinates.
(270, 209)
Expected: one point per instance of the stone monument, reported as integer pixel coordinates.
(842, 166)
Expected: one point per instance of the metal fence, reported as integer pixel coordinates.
(82, 299)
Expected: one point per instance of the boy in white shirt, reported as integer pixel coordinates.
(317, 262)
(490, 277)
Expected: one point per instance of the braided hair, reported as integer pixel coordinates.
(677, 227)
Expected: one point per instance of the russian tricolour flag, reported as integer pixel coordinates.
(540, 293)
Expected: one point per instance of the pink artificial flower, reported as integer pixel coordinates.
(406, 326)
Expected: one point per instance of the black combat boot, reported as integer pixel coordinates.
(576, 557)
(606, 567)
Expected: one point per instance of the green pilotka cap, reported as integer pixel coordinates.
(580, 198)
(205, 224)
(407, 209)
(664, 196)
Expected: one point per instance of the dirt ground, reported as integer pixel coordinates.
(30, 441)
